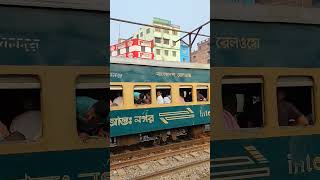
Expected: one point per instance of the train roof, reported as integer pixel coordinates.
(98, 5)
(221, 10)
(156, 63)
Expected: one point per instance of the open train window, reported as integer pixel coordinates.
(295, 101)
(163, 94)
(20, 115)
(91, 106)
(242, 102)
(185, 93)
(202, 93)
(116, 97)
(142, 95)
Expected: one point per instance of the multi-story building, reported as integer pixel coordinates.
(165, 46)
(202, 54)
(184, 53)
(133, 48)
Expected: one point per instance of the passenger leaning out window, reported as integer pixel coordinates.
(200, 97)
(26, 126)
(118, 101)
(167, 99)
(92, 117)
(160, 99)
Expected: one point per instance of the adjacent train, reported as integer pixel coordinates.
(51, 52)
(269, 63)
(157, 99)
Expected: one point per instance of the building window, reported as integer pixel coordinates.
(118, 51)
(174, 43)
(174, 32)
(20, 116)
(91, 99)
(127, 49)
(157, 40)
(174, 53)
(166, 52)
(157, 29)
(158, 51)
(148, 31)
(166, 31)
(166, 41)
(141, 34)
(143, 49)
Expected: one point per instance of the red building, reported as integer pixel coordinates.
(133, 48)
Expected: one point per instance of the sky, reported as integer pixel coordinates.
(188, 14)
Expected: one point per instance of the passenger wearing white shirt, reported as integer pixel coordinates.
(118, 101)
(160, 99)
(167, 99)
(28, 125)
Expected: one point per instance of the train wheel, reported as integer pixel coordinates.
(163, 137)
(173, 134)
(196, 131)
(127, 140)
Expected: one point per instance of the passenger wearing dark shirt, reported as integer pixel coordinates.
(200, 97)
(287, 112)
(91, 115)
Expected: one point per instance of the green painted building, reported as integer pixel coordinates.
(165, 48)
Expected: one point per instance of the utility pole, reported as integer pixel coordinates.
(191, 40)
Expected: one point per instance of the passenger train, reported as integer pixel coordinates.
(51, 52)
(267, 57)
(145, 117)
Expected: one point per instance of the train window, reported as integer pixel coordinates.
(163, 94)
(142, 95)
(116, 97)
(295, 101)
(202, 93)
(91, 106)
(20, 116)
(185, 93)
(242, 102)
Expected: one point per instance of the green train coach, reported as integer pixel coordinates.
(133, 120)
(51, 52)
(267, 60)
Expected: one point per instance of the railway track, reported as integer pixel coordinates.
(172, 170)
(140, 156)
